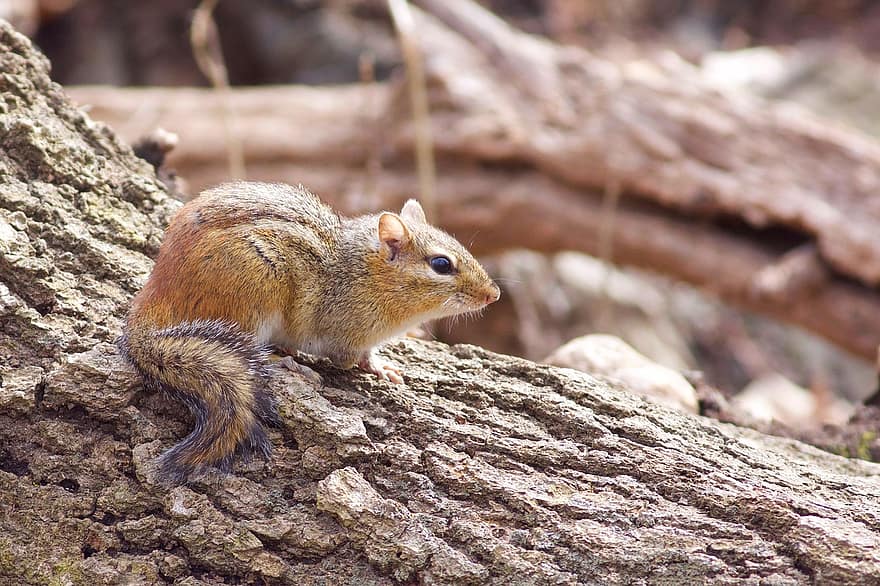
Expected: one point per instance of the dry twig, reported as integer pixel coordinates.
(205, 41)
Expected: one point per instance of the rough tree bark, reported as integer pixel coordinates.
(761, 204)
(481, 469)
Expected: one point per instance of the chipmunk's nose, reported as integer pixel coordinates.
(493, 294)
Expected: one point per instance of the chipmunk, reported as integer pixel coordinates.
(248, 265)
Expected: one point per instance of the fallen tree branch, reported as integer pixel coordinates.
(664, 134)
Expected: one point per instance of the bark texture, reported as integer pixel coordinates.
(481, 469)
(762, 204)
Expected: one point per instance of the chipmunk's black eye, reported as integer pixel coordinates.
(441, 265)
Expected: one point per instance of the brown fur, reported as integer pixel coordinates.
(247, 264)
(218, 372)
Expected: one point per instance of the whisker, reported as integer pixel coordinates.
(429, 330)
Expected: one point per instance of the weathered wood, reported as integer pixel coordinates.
(482, 469)
(662, 135)
(717, 189)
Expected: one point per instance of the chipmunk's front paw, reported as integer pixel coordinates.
(382, 368)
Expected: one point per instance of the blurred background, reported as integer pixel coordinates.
(822, 56)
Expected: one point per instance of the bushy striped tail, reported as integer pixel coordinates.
(219, 372)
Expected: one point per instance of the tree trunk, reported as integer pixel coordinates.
(760, 204)
(481, 469)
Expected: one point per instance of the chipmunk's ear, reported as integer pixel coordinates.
(412, 212)
(392, 234)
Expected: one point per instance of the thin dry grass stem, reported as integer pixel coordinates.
(530, 330)
(373, 161)
(205, 41)
(610, 202)
(415, 74)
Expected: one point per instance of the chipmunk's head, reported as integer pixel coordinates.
(430, 273)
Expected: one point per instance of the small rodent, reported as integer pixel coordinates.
(247, 265)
